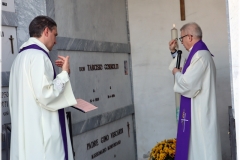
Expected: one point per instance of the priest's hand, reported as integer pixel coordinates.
(175, 70)
(173, 45)
(59, 62)
(64, 63)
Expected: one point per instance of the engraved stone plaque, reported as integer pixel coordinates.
(101, 79)
(5, 106)
(111, 141)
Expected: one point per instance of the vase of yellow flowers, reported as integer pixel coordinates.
(164, 150)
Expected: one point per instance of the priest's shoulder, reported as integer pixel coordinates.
(203, 54)
(34, 53)
(36, 56)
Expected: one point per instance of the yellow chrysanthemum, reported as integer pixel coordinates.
(164, 149)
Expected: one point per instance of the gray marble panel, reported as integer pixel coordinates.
(53, 56)
(116, 139)
(100, 120)
(103, 20)
(9, 19)
(26, 11)
(73, 44)
(5, 79)
(50, 8)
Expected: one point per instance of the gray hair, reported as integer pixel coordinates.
(192, 29)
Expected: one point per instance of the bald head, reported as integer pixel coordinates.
(192, 29)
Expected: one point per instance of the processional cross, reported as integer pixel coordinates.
(182, 10)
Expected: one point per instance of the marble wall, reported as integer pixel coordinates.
(26, 10)
(93, 34)
(93, 20)
(150, 23)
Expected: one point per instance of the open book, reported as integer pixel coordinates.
(84, 106)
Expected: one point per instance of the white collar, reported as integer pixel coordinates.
(190, 49)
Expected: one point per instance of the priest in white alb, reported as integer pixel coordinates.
(198, 133)
(38, 96)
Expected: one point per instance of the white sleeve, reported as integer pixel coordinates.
(174, 62)
(174, 54)
(59, 83)
(189, 84)
(51, 94)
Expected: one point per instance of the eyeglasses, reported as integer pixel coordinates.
(181, 38)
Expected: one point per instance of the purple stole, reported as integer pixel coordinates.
(60, 111)
(184, 122)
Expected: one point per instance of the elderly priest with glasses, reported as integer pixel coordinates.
(198, 133)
